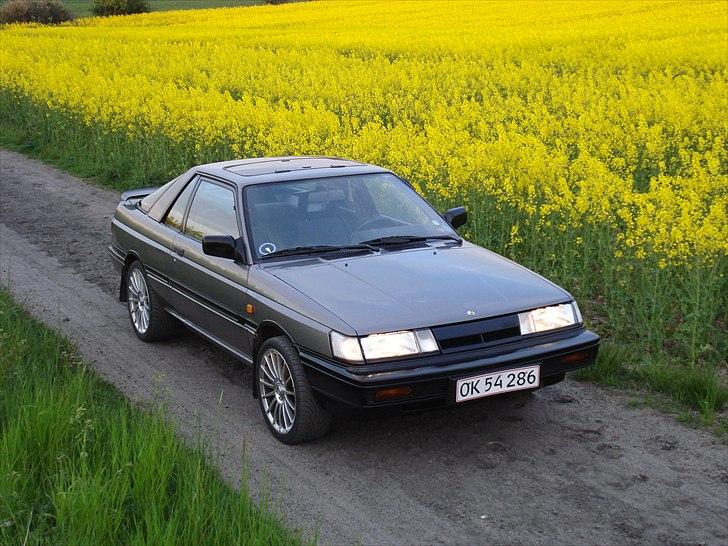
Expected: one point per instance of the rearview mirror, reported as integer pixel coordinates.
(456, 217)
(222, 246)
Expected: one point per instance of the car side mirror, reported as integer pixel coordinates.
(456, 217)
(223, 246)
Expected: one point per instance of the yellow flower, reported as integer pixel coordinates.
(611, 118)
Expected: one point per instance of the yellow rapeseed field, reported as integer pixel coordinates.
(588, 139)
(587, 112)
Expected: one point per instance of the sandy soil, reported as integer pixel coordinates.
(571, 464)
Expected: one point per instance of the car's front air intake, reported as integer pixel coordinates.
(477, 334)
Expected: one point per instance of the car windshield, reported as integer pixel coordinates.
(335, 212)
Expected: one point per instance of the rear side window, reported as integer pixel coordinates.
(177, 213)
(212, 212)
(153, 197)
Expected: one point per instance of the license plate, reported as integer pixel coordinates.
(497, 383)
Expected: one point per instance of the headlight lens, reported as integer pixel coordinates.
(378, 346)
(549, 318)
(346, 348)
(389, 345)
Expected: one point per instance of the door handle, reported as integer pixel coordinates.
(179, 251)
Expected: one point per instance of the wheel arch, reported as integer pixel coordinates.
(266, 330)
(130, 258)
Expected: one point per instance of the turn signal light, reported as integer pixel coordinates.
(575, 358)
(391, 393)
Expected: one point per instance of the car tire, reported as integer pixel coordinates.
(149, 320)
(525, 395)
(520, 397)
(553, 380)
(278, 368)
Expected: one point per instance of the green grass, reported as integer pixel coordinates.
(79, 465)
(82, 8)
(692, 394)
(668, 325)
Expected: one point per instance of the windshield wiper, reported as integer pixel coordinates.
(315, 249)
(394, 240)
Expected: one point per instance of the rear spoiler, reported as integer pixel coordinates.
(139, 193)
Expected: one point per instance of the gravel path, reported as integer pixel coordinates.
(572, 464)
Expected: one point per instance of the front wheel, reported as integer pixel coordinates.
(289, 406)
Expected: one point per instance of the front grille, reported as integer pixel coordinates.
(467, 336)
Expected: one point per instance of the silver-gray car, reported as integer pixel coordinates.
(341, 286)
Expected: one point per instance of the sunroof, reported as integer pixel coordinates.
(271, 166)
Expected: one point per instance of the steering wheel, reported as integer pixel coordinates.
(375, 222)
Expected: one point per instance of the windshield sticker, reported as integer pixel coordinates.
(266, 248)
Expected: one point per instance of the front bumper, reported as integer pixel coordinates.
(432, 379)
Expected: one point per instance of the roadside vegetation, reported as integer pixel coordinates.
(589, 148)
(34, 11)
(105, 8)
(57, 11)
(689, 394)
(80, 465)
(84, 8)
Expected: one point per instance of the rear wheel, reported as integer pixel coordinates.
(149, 319)
(289, 406)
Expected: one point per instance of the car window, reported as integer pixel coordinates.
(395, 201)
(212, 212)
(336, 211)
(176, 214)
(152, 198)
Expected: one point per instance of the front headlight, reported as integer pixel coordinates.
(378, 346)
(346, 348)
(549, 318)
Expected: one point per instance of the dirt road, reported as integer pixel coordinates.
(573, 464)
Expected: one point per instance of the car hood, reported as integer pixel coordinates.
(420, 287)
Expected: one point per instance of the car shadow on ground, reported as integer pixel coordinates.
(493, 416)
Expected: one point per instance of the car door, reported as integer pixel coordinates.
(161, 266)
(210, 290)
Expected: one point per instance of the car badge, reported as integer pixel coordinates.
(470, 313)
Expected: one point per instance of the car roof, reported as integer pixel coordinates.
(246, 172)
(273, 169)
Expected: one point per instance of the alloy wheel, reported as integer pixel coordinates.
(277, 391)
(138, 296)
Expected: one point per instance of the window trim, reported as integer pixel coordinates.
(194, 182)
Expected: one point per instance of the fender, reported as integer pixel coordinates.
(265, 330)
